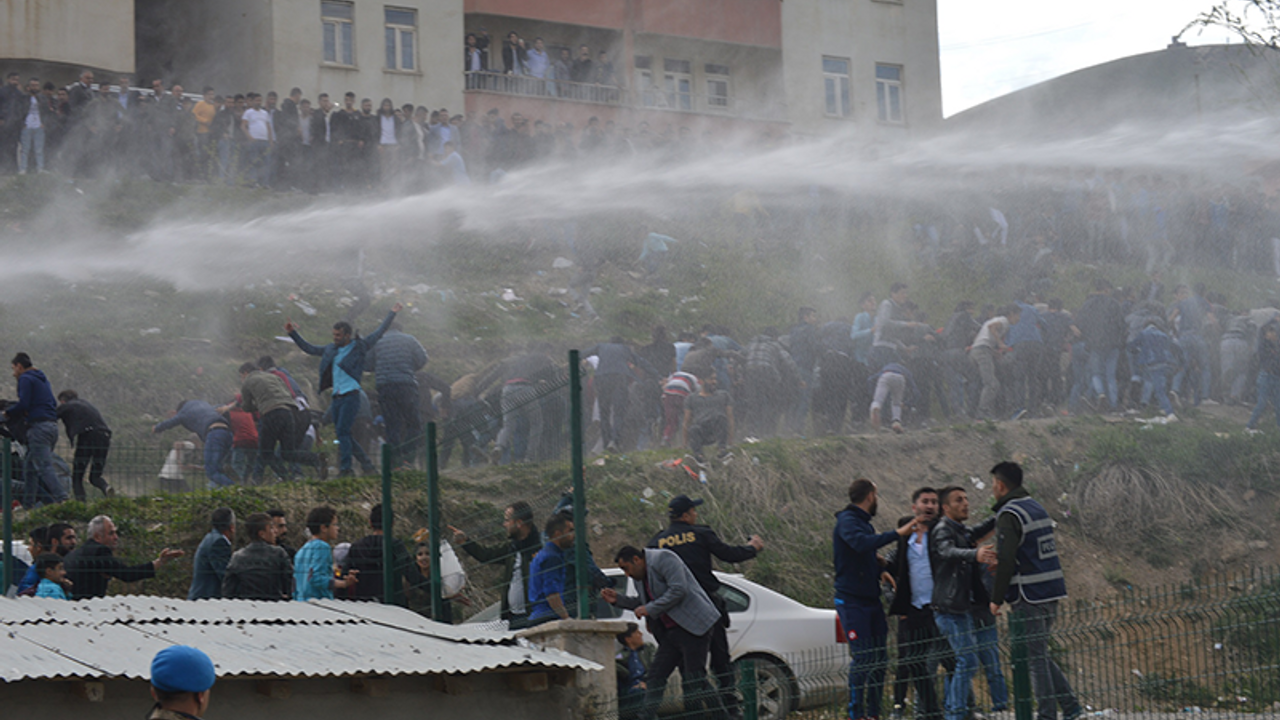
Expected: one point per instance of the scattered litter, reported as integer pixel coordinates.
(598, 529)
(561, 263)
(648, 492)
(751, 440)
(598, 462)
(420, 288)
(702, 476)
(1222, 435)
(447, 295)
(597, 290)
(646, 502)
(503, 308)
(980, 485)
(150, 331)
(664, 292)
(284, 338)
(1192, 709)
(692, 298)
(509, 295)
(557, 292)
(305, 307)
(1217, 646)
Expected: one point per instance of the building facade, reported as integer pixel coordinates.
(809, 67)
(870, 64)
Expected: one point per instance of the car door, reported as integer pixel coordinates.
(742, 612)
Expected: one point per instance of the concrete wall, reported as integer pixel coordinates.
(866, 32)
(262, 45)
(97, 34)
(525, 695)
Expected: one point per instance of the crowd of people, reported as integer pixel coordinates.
(944, 585)
(1144, 352)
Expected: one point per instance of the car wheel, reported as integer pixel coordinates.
(774, 694)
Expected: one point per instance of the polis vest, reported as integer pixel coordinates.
(1039, 576)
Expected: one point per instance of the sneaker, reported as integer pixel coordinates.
(1101, 403)
(896, 427)
(725, 457)
(108, 491)
(1173, 398)
(701, 460)
(875, 419)
(1170, 418)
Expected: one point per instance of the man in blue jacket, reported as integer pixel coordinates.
(210, 564)
(341, 366)
(857, 585)
(213, 429)
(37, 407)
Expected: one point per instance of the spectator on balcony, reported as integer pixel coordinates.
(604, 71)
(581, 70)
(514, 55)
(561, 70)
(475, 57)
(537, 63)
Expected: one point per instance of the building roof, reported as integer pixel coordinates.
(116, 637)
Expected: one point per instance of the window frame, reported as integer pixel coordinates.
(343, 59)
(885, 87)
(671, 79)
(713, 74)
(399, 31)
(843, 85)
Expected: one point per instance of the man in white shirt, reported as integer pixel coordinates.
(31, 139)
(256, 124)
(986, 351)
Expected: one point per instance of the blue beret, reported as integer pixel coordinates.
(181, 668)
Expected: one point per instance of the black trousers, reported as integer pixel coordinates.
(712, 430)
(92, 447)
(613, 396)
(919, 653)
(276, 428)
(680, 648)
(400, 412)
(722, 668)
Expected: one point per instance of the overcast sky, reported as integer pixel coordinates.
(993, 47)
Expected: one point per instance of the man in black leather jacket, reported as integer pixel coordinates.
(957, 587)
(260, 570)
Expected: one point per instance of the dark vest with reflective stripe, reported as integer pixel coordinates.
(1039, 575)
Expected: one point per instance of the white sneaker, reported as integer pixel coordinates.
(1170, 418)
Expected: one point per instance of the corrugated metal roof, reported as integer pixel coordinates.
(118, 636)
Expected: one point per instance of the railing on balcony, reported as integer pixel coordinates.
(538, 87)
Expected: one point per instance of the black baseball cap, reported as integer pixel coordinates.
(682, 504)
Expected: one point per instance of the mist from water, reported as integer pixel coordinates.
(201, 254)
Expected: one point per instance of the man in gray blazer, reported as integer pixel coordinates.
(680, 615)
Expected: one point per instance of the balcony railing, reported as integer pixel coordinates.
(538, 87)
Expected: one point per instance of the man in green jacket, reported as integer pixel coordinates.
(266, 394)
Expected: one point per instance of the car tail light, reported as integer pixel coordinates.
(840, 636)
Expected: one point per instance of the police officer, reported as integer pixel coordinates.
(181, 678)
(1029, 577)
(695, 544)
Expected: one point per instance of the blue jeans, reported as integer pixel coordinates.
(866, 632)
(345, 407)
(1196, 352)
(1155, 381)
(959, 631)
(1102, 373)
(40, 481)
(1268, 392)
(217, 450)
(32, 140)
(988, 652)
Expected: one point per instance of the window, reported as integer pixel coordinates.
(402, 29)
(835, 82)
(735, 600)
(338, 19)
(889, 93)
(678, 82)
(644, 81)
(717, 86)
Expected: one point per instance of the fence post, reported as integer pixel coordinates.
(748, 683)
(1022, 702)
(433, 522)
(389, 570)
(579, 487)
(7, 494)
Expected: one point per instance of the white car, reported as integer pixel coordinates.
(799, 653)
